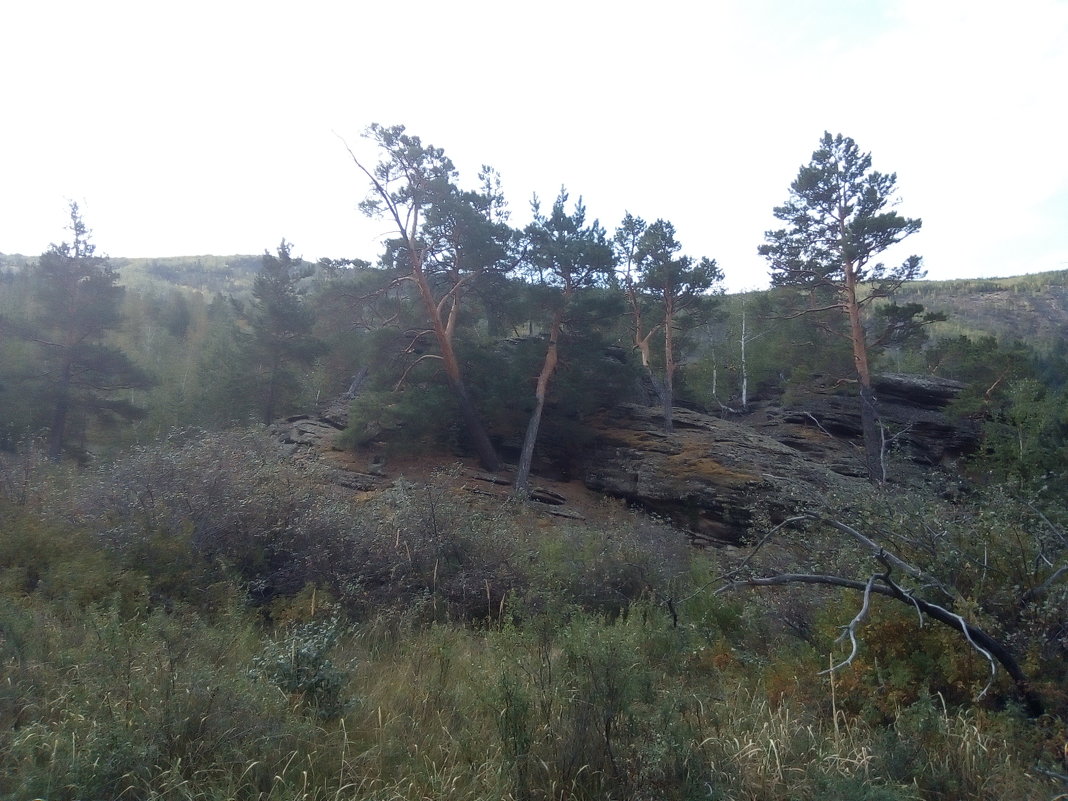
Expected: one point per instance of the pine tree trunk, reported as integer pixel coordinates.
(745, 372)
(526, 459)
(669, 371)
(487, 455)
(548, 368)
(873, 444)
(57, 433)
(869, 413)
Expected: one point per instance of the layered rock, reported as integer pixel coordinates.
(822, 419)
(713, 476)
(710, 476)
(314, 436)
(722, 480)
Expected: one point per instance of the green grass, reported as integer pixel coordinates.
(166, 706)
(162, 671)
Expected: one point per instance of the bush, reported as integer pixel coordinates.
(502, 653)
(299, 665)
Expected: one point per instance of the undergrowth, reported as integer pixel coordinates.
(156, 645)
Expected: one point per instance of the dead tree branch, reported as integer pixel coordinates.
(410, 367)
(993, 651)
(851, 629)
(1043, 588)
(880, 551)
(819, 425)
(756, 548)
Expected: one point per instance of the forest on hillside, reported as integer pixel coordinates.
(187, 612)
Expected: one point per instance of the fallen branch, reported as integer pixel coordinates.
(819, 425)
(983, 643)
(881, 552)
(851, 629)
(1043, 588)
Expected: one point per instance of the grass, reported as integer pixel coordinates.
(118, 682)
(567, 705)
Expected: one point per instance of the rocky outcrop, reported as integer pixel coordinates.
(712, 477)
(314, 437)
(914, 410)
(720, 479)
(822, 419)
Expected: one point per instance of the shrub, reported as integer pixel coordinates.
(299, 665)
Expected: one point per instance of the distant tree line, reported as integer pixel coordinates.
(476, 334)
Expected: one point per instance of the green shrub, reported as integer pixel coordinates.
(413, 420)
(300, 666)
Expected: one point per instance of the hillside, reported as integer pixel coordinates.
(345, 603)
(226, 274)
(1029, 308)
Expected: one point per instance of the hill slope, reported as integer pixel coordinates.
(1030, 308)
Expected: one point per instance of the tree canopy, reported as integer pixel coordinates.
(76, 303)
(281, 325)
(446, 239)
(565, 253)
(838, 221)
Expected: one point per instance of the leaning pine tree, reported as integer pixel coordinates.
(445, 241)
(565, 253)
(837, 222)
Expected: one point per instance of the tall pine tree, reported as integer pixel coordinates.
(77, 302)
(680, 287)
(446, 241)
(565, 253)
(838, 222)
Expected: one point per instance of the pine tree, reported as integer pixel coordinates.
(838, 223)
(680, 288)
(565, 253)
(447, 240)
(281, 327)
(77, 302)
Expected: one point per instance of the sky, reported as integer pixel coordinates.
(221, 127)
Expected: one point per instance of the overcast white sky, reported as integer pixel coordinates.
(212, 127)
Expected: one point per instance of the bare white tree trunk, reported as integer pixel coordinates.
(745, 372)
